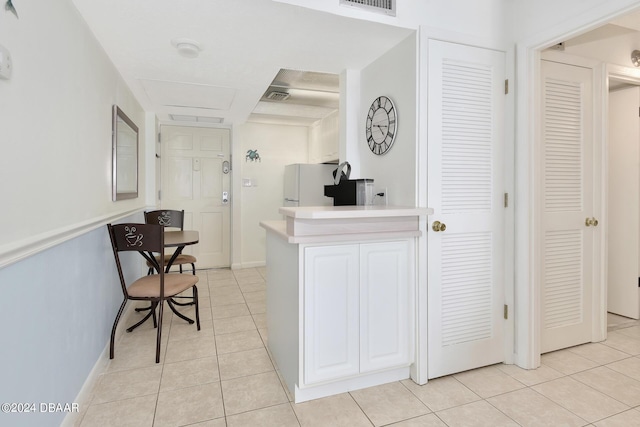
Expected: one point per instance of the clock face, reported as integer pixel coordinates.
(382, 123)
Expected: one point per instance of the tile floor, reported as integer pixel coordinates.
(223, 376)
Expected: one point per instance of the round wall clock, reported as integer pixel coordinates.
(382, 124)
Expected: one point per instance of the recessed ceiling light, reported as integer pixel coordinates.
(187, 47)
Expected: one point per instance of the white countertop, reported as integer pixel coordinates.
(343, 212)
(323, 224)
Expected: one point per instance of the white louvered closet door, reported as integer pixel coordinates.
(567, 242)
(465, 189)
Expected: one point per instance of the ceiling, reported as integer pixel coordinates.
(243, 47)
(624, 25)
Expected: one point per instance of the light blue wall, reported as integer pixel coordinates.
(56, 313)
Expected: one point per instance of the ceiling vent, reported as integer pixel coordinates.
(387, 7)
(278, 95)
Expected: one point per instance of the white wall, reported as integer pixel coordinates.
(531, 19)
(483, 18)
(278, 145)
(392, 75)
(55, 118)
(58, 305)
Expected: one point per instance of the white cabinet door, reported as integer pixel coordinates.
(331, 312)
(385, 310)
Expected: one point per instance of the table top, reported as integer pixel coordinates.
(180, 238)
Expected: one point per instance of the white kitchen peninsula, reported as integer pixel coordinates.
(341, 291)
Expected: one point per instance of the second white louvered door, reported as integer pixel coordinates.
(567, 206)
(465, 189)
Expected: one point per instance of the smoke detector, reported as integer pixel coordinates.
(187, 47)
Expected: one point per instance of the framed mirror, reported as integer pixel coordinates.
(125, 156)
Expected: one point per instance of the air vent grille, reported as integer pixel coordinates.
(382, 6)
(277, 96)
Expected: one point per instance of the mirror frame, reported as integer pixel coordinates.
(123, 127)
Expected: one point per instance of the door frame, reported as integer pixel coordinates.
(527, 219)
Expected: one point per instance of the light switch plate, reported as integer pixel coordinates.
(6, 65)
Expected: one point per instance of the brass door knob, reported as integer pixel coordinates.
(438, 226)
(591, 222)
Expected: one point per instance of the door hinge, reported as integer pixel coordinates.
(159, 137)
(506, 86)
(506, 311)
(159, 194)
(506, 200)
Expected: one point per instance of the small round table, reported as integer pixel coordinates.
(179, 239)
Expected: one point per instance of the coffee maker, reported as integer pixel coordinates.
(351, 192)
(347, 191)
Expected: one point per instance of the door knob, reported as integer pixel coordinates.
(591, 222)
(438, 226)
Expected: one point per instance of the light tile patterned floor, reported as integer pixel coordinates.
(223, 376)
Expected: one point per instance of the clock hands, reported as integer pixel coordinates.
(380, 128)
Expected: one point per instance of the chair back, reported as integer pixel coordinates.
(143, 238)
(165, 218)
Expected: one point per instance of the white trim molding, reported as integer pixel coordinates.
(17, 251)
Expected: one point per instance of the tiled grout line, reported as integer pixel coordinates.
(224, 408)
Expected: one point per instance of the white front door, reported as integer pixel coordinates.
(568, 228)
(466, 190)
(194, 178)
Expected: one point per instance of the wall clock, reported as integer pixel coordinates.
(382, 124)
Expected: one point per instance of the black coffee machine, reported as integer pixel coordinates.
(347, 191)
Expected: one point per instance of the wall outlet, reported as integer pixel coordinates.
(380, 196)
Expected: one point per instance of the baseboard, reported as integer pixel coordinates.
(100, 367)
(254, 264)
